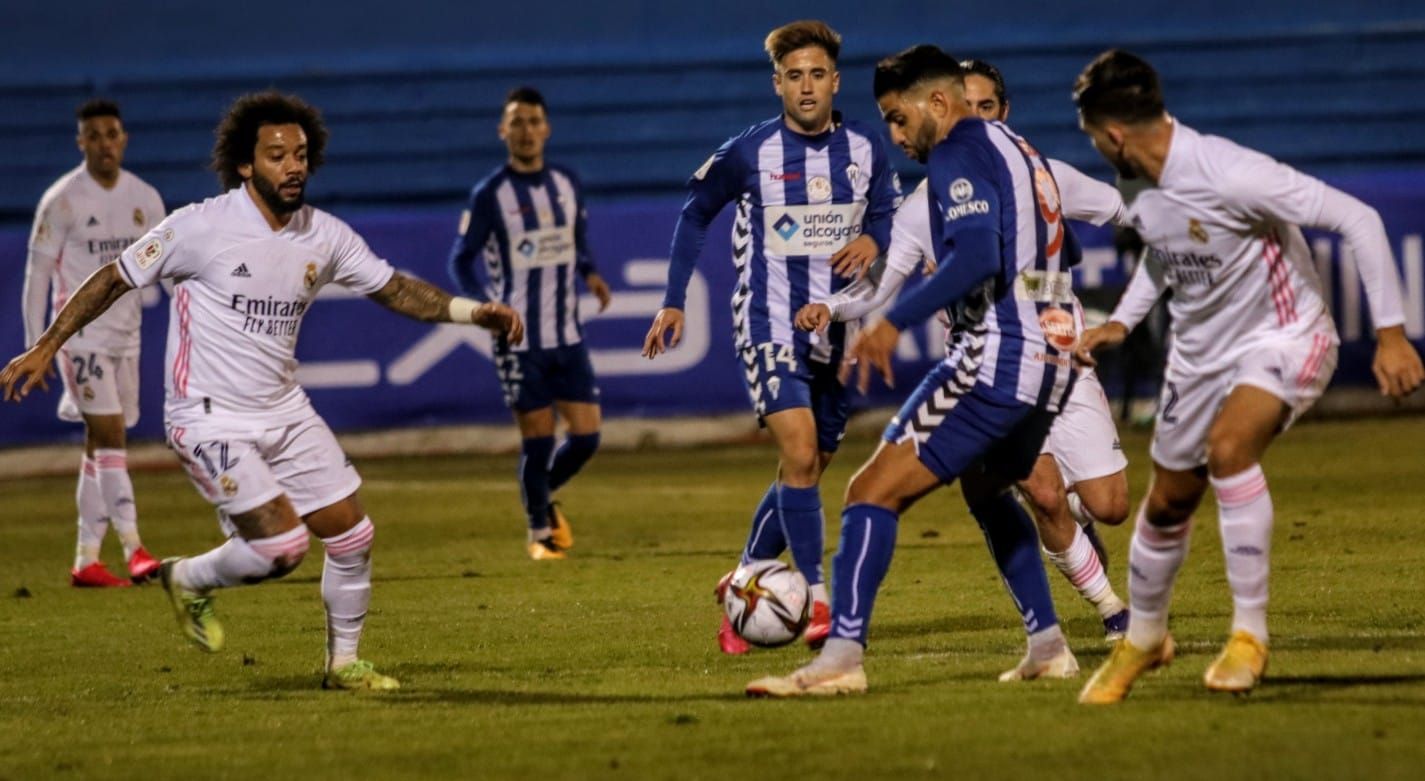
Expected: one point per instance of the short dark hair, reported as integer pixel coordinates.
(237, 133)
(982, 68)
(524, 94)
(1121, 86)
(97, 107)
(899, 72)
(800, 34)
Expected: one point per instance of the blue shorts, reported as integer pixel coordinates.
(779, 379)
(535, 379)
(956, 427)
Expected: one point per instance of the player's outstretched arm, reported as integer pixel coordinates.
(423, 301)
(96, 295)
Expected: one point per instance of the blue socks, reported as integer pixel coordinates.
(804, 528)
(868, 538)
(1014, 543)
(766, 540)
(542, 470)
(534, 479)
(571, 457)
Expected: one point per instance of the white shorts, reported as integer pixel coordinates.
(1295, 370)
(98, 384)
(239, 472)
(1084, 439)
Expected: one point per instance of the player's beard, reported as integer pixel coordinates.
(273, 197)
(924, 140)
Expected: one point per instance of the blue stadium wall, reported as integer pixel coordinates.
(641, 93)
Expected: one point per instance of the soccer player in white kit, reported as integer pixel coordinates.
(1082, 449)
(247, 265)
(84, 221)
(1253, 348)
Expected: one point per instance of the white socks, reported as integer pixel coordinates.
(1154, 558)
(1245, 513)
(346, 590)
(1081, 566)
(1046, 644)
(238, 561)
(118, 492)
(93, 519)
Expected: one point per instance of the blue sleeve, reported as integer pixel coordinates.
(965, 232)
(711, 187)
(475, 226)
(883, 196)
(583, 258)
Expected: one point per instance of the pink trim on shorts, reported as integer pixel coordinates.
(1320, 345)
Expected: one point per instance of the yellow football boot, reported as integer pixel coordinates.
(1238, 669)
(559, 530)
(1125, 665)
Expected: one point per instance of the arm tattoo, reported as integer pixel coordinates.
(414, 299)
(96, 295)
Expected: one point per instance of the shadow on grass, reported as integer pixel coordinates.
(976, 622)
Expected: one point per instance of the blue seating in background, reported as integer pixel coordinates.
(1329, 102)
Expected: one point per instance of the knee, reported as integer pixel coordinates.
(353, 545)
(801, 465)
(290, 557)
(1228, 453)
(867, 487)
(585, 444)
(1166, 509)
(1047, 499)
(1108, 507)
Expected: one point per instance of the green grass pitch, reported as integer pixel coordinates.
(605, 666)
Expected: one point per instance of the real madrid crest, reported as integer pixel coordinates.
(310, 278)
(1197, 232)
(138, 218)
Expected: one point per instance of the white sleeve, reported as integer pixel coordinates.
(1085, 198)
(1265, 189)
(910, 242)
(1364, 234)
(52, 220)
(355, 266)
(39, 270)
(1144, 290)
(169, 251)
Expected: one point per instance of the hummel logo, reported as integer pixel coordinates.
(93, 221)
(241, 271)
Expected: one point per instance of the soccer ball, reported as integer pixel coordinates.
(768, 603)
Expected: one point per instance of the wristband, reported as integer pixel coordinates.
(462, 310)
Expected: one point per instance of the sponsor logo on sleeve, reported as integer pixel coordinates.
(149, 252)
(961, 191)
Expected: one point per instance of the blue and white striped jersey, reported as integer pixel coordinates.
(991, 194)
(530, 231)
(800, 199)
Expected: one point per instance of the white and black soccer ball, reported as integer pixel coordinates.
(768, 603)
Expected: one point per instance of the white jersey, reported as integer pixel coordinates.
(1083, 198)
(80, 226)
(242, 289)
(1222, 231)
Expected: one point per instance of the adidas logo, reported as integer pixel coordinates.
(93, 221)
(241, 271)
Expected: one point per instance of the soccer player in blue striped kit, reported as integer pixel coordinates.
(526, 223)
(815, 197)
(981, 415)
